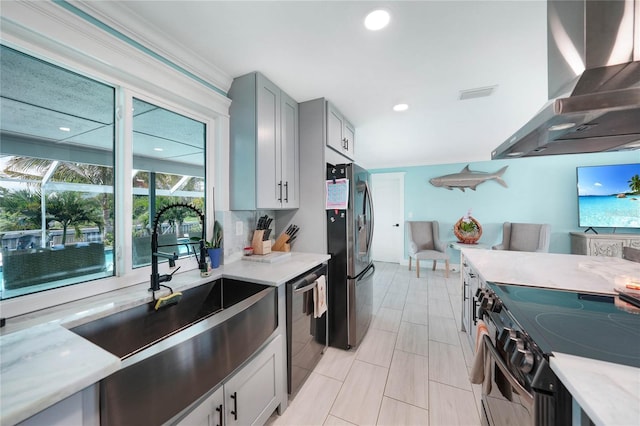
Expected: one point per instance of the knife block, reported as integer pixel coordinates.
(260, 246)
(281, 243)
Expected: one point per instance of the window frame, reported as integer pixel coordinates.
(34, 29)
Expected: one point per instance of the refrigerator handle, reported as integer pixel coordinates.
(369, 200)
(364, 272)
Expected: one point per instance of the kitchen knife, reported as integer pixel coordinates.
(262, 222)
(267, 232)
(294, 232)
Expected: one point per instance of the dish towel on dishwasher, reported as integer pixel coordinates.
(481, 368)
(320, 297)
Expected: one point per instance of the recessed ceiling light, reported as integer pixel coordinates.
(400, 107)
(561, 126)
(65, 129)
(158, 149)
(377, 20)
(515, 154)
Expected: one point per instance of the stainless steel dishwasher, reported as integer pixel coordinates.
(306, 335)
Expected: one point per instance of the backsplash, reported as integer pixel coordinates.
(234, 244)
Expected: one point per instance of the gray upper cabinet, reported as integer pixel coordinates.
(264, 148)
(340, 133)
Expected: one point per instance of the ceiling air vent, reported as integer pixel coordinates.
(478, 92)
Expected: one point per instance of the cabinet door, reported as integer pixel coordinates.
(252, 394)
(290, 151)
(474, 284)
(268, 154)
(634, 242)
(605, 247)
(334, 129)
(209, 413)
(349, 139)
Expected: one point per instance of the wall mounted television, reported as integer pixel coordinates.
(609, 196)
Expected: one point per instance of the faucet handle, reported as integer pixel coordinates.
(167, 277)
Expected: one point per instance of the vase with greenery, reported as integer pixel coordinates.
(214, 246)
(467, 229)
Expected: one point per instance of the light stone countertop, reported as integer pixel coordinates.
(45, 364)
(42, 362)
(594, 274)
(608, 393)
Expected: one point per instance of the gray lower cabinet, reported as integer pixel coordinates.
(209, 412)
(264, 146)
(248, 397)
(470, 283)
(340, 132)
(609, 245)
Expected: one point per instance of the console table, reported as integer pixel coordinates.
(602, 244)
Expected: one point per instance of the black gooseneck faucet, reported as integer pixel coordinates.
(156, 278)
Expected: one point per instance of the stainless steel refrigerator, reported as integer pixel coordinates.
(349, 238)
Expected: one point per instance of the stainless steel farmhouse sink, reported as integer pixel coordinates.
(173, 356)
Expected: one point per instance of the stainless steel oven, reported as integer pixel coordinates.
(525, 326)
(520, 388)
(306, 334)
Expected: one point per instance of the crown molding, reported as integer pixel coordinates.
(46, 30)
(117, 16)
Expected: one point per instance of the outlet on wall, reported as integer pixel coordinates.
(239, 228)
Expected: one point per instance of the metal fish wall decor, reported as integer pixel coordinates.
(468, 179)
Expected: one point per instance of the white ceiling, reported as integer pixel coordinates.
(430, 51)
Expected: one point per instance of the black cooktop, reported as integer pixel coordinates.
(582, 324)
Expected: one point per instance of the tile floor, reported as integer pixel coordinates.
(410, 369)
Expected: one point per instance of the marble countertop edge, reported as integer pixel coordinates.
(608, 393)
(59, 364)
(557, 271)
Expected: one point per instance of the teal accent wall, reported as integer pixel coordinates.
(540, 190)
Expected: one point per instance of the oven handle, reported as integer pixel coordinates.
(524, 394)
(313, 278)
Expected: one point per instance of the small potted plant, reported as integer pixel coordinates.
(467, 229)
(214, 247)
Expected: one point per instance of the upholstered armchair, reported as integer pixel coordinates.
(525, 237)
(425, 244)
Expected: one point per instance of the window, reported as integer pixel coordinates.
(57, 174)
(168, 162)
(58, 213)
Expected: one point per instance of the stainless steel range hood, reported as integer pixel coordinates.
(602, 112)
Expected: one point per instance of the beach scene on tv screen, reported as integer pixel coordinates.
(609, 196)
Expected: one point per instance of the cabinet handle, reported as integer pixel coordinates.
(286, 188)
(219, 410)
(345, 143)
(475, 319)
(280, 186)
(235, 406)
